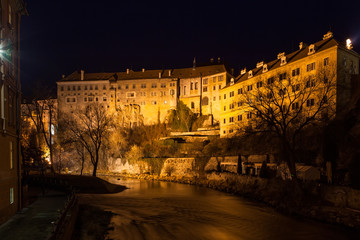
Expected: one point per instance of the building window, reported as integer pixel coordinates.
(153, 85)
(214, 79)
(310, 83)
(85, 87)
(326, 61)
(12, 195)
(231, 106)
(310, 102)
(90, 99)
(153, 102)
(239, 104)
(205, 101)
(231, 93)
(249, 115)
(163, 85)
(68, 88)
(143, 85)
(11, 154)
(192, 105)
(85, 99)
(104, 99)
(219, 87)
(96, 87)
(310, 67)
(79, 88)
(205, 81)
(231, 119)
(270, 80)
(191, 86)
(62, 88)
(296, 88)
(205, 89)
(295, 106)
(295, 72)
(224, 120)
(282, 76)
(127, 86)
(196, 85)
(96, 99)
(259, 84)
(240, 91)
(130, 94)
(224, 96)
(214, 98)
(239, 117)
(74, 88)
(231, 130)
(214, 88)
(249, 88)
(153, 94)
(184, 90)
(119, 86)
(344, 61)
(224, 108)
(221, 78)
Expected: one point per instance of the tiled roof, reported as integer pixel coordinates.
(148, 74)
(292, 57)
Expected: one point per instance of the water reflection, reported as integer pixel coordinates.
(162, 210)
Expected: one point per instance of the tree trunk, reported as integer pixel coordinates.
(290, 159)
(96, 162)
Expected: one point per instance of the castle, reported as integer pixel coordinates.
(147, 96)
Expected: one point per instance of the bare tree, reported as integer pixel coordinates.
(89, 127)
(42, 114)
(288, 104)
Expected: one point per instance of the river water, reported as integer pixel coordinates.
(162, 210)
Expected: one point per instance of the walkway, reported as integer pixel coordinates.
(34, 221)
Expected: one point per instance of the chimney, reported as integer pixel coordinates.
(194, 63)
(159, 74)
(211, 60)
(127, 71)
(143, 70)
(169, 72)
(219, 59)
(63, 76)
(82, 73)
(232, 71)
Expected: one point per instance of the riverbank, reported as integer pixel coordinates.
(325, 203)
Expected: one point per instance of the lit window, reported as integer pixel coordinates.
(12, 195)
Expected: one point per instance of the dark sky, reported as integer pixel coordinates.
(61, 36)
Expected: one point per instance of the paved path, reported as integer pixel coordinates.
(34, 221)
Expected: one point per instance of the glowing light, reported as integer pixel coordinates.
(349, 44)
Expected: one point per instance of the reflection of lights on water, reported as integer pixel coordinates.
(348, 44)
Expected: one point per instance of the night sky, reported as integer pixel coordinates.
(61, 36)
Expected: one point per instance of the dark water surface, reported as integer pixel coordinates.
(161, 210)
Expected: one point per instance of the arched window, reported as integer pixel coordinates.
(205, 101)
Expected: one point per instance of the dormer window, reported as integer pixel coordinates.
(265, 68)
(232, 81)
(259, 64)
(243, 71)
(283, 61)
(311, 49)
(250, 74)
(280, 55)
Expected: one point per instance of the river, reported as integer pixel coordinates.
(163, 210)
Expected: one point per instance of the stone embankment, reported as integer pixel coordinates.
(332, 204)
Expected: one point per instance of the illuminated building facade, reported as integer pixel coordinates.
(146, 96)
(10, 169)
(303, 66)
